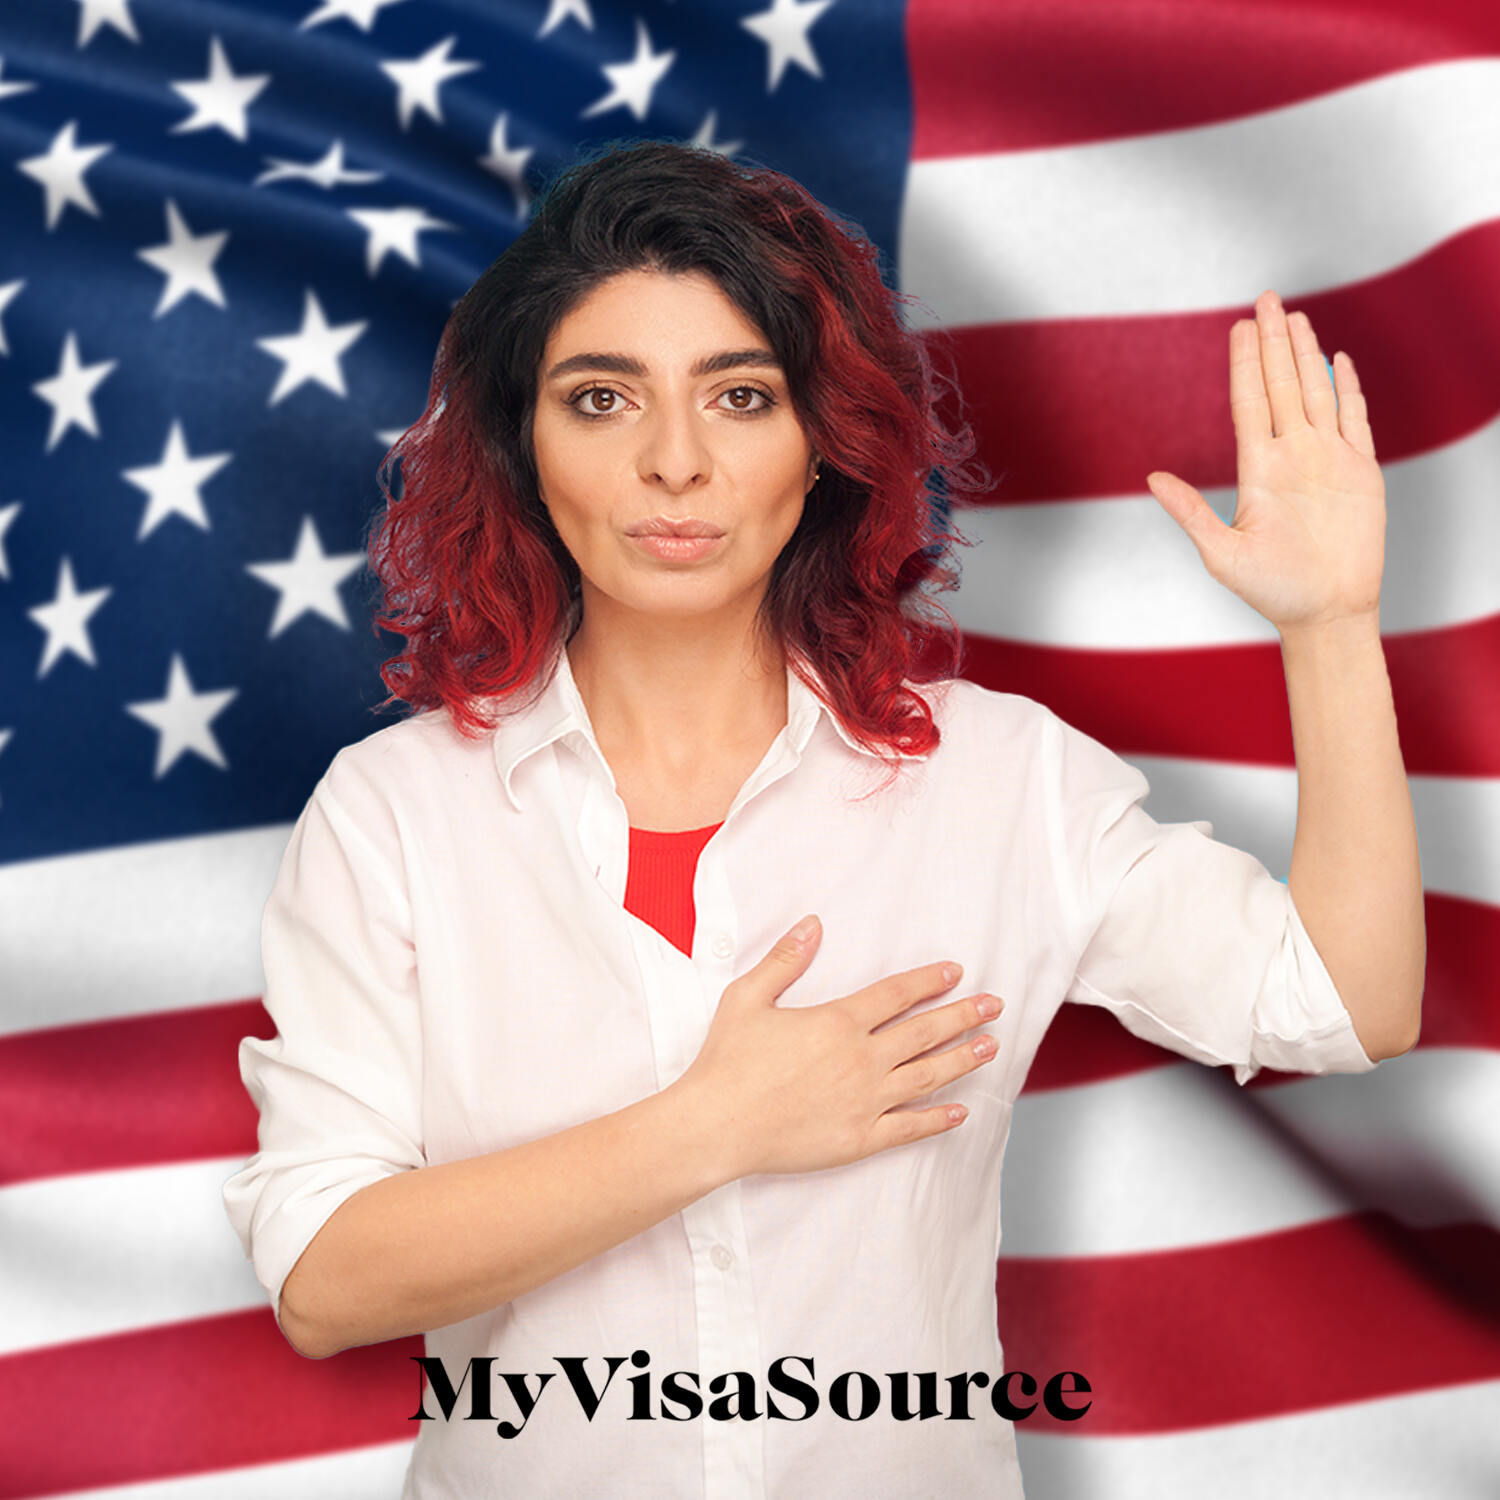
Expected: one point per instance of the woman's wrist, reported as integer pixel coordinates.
(703, 1131)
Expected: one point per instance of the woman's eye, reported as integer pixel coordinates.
(583, 396)
(749, 390)
(609, 401)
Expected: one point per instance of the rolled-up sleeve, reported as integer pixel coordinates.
(338, 1087)
(1191, 943)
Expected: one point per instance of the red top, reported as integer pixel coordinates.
(659, 880)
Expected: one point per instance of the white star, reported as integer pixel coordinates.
(8, 513)
(220, 99)
(60, 171)
(784, 30)
(187, 261)
(705, 136)
(561, 10)
(633, 80)
(182, 719)
(5, 735)
(328, 171)
(97, 13)
(70, 392)
(7, 294)
(7, 89)
(420, 78)
(508, 165)
(309, 580)
(361, 12)
(173, 483)
(393, 229)
(312, 353)
(66, 619)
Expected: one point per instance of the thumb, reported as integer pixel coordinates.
(1196, 517)
(788, 958)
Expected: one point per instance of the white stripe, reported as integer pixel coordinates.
(1255, 808)
(1316, 194)
(355, 1474)
(1121, 574)
(144, 927)
(1442, 1442)
(1174, 1157)
(175, 924)
(97, 1253)
(1419, 1137)
(1180, 1156)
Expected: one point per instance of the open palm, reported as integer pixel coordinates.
(1307, 543)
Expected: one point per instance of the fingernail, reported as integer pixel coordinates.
(804, 929)
(951, 973)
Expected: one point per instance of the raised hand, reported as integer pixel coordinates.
(1307, 544)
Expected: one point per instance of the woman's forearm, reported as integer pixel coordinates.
(1356, 876)
(435, 1245)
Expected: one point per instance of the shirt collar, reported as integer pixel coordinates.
(558, 713)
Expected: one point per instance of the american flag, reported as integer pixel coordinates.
(231, 236)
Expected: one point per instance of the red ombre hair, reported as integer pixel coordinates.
(471, 570)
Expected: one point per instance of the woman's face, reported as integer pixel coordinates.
(641, 429)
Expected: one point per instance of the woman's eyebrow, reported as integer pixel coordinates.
(625, 364)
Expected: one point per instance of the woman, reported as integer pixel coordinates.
(556, 1080)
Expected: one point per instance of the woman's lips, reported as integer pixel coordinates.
(678, 548)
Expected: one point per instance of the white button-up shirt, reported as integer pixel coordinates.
(451, 971)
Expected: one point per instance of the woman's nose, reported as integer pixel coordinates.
(673, 447)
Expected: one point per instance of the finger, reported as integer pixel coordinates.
(786, 960)
(898, 1127)
(1318, 399)
(1279, 367)
(1213, 539)
(920, 1076)
(1248, 408)
(1354, 418)
(879, 1002)
(925, 1030)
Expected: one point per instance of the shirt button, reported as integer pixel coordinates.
(722, 1256)
(723, 947)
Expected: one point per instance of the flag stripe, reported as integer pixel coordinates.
(1179, 1157)
(1199, 220)
(161, 925)
(225, 1391)
(127, 1092)
(1431, 1443)
(350, 1474)
(1174, 1157)
(133, 1092)
(1106, 573)
(1310, 1323)
(1122, 396)
(1024, 77)
(213, 1393)
(1217, 703)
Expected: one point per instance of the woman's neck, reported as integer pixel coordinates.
(677, 705)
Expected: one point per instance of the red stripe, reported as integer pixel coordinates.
(130, 1092)
(188, 1398)
(1348, 1310)
(1072, 408)
(165, 1087)
(990, 77)
(1351, 1309)
(1229, 703)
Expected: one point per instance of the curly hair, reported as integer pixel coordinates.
(468, 565)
